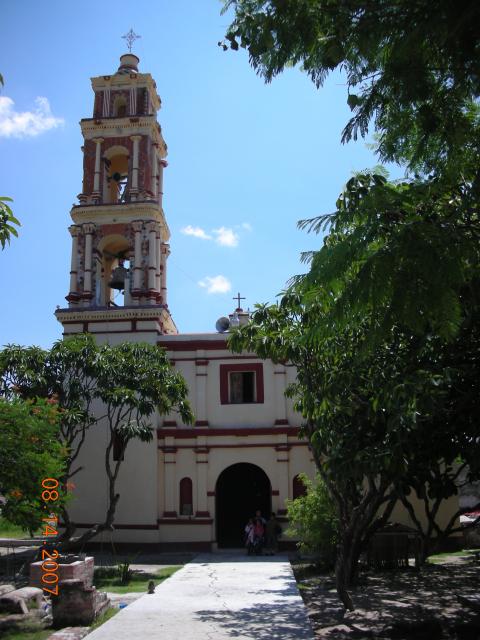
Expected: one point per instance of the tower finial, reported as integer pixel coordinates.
(130, 37)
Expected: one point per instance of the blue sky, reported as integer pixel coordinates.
(246, 160)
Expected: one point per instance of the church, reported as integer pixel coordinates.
(192, 487)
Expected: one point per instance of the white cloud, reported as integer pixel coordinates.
(197, 232)
(226, 237)
(22, 124)
(216, 284)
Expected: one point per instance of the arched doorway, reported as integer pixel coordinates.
(241, 490)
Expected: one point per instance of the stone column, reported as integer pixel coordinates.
(158, 272)
(163, 164)
(134, 187)
(88, 230)
(201, 373)
(165, 254)
(152, 258)
(96, 178)
(74, 231)
(170, 478)
(201, 455)
(280, 400)
(106, 102)
(137, 226)
(154, 171)
(283, 473)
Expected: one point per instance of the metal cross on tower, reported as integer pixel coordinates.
(238, 297)
(130, 37)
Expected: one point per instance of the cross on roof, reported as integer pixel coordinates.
(238, 297)
(130, 37)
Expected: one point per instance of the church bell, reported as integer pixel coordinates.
(117, 281)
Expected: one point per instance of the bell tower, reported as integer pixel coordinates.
(118, 276)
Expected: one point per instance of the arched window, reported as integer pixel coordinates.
(186, 501)
(113, 271)
(120, 107)
(116, 173)
(299, 488)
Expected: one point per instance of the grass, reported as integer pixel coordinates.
(109, 613)
(441, 557)
(107, 580)
(45, 633)
(28, 635)
(9, 530)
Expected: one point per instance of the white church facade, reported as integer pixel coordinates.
(195, 485)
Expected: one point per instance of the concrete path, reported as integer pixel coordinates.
(217, 597)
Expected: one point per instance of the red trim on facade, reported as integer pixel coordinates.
(182, 521)
(275, 492)
(169, 423)
(170, 514)
(201, 363)
(201, 423)
(210, 359)
(211, 494)
(226, 369)
(282, 447)
(201, 374)
(193, 345)
(88, 525)
(282, 421)
(120, 228)
(270, 445)
(188, 432)
(202, 514)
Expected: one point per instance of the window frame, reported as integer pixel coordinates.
(247, 367)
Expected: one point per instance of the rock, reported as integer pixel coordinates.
(12, 604)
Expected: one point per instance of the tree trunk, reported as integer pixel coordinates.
(343, 572)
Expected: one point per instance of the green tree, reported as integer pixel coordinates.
(7, 219)
(30, 452)
(312, 519)
(128, 383)
(384, 422)
(354, 442)
(413, 68)
(390, 304)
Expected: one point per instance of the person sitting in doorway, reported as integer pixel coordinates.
(249, 536)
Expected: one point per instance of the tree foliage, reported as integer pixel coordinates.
(383, 328)
(404, 253)
(312, 520)
(413, 68)
(7, 221)
(118, 388)
(30, 451)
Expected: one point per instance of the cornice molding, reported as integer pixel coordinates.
(106, 315)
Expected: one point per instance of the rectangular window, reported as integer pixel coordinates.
(241, 383)
(242, 387)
